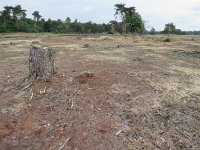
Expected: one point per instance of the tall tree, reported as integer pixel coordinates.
(5, 16)
(36, 15)
(120, 11)
(68, 20)
(48, 25)
(18, 12)
(11, 18)
(135, 23)
(18, 15)
(170, 28)
(153, 31)
(130, 19)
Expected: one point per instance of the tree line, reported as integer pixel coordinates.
(170, 28)
(14, 19)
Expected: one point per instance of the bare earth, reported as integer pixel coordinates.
(109, 93)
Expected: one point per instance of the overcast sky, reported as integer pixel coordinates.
(156, 13)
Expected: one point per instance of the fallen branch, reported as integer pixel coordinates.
(64, 143)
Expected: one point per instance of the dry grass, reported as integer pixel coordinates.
(143, 94)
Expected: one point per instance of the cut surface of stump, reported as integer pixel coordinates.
(41, 63)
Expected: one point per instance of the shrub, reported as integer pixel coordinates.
(167, 40)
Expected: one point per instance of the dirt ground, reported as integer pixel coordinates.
(109, 93)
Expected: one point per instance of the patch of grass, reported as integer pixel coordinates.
(193, 53)
(167, 40)
(86, 45)
(160, 40)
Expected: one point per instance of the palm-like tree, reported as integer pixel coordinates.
(18, 12)
(125, 14)
(120, 11)
(36, 15)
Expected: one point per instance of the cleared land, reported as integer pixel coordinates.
(110, 92)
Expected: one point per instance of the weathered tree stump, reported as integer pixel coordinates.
(41, 63)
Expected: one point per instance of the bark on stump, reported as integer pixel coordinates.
(41, 63)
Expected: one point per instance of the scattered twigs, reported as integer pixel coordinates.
(31, 96)
(97, 108)
(67, 140)
(126, 128)
(159, 113)
(72, 104)
(43, 91)
(30, 90)
(26, 87)
(119, 132)
(59, 116)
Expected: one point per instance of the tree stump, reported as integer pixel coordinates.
(41, 63)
